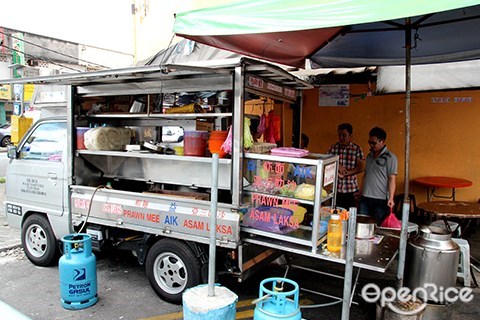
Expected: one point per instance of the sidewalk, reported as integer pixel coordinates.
(9, 237)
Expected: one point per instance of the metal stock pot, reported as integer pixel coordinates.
(365, 227)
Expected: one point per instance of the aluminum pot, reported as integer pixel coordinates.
(365, 227)
(432, 258)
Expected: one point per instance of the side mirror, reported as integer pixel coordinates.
(12, 151)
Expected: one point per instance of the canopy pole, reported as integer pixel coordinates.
(406, 201)
(213, 227)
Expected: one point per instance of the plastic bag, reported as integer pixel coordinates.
(247, 134)
(391, 221)
(262, 126)
(227, 144)
(272, 133)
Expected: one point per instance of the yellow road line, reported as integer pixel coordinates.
(245, 314)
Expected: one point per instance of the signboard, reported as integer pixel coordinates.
(260, 84)
(5, 92)
(28, 91)
(329, 174)
(334, 95)
(18, 53)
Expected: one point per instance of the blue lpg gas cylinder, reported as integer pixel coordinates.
(78, 272)
(275, 303)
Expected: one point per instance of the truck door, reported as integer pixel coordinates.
(36, 179)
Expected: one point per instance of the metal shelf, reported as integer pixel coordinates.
(173, 116)
(302, 235)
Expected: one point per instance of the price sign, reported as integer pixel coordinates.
(329, 174)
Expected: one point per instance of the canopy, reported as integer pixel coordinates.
(338, 33)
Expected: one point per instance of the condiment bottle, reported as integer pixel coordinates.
(334, 234)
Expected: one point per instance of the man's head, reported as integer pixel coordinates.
(304, 141)
(376, 139)
(345, 131)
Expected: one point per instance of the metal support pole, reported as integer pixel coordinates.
(213, 226)
(347, 285)
(406, 202)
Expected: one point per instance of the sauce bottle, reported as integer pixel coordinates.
(334, 234)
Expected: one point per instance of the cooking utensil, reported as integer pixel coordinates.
(365, 227)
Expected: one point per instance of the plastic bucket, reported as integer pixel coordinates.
(217, 138)
(195, 143)
(80, 137)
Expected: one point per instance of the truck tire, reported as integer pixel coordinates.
(38, 240)
(171, 268)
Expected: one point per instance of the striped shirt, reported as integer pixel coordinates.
(347, 158)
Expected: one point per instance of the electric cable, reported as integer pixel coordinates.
(47, 49)
(42, 59)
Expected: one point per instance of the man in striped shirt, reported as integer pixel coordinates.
(351, 163)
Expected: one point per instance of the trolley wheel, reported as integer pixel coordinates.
(38, 240)
(171, 268)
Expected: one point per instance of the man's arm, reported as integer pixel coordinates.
(359, 167)
(391, 189)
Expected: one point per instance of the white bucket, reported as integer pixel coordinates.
(197, 305)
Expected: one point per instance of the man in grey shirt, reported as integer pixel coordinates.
(378, 187)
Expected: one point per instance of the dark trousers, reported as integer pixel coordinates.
(345, 200)
(377, 208)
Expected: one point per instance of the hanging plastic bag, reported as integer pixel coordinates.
(391, 221)
(227, 144)
(247, 134)
(272, 133)
(262, 126)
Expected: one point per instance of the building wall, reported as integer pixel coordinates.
(444, 132)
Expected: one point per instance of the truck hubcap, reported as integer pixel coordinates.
(170, 273)
(36, 241)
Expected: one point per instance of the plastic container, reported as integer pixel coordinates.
(80, 137)
(334, 234)
(215, 142)
(178, 150)
(195, 143)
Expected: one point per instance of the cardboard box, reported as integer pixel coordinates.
(204, 126)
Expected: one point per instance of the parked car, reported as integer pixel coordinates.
(5, 134)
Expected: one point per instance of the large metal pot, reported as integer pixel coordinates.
(432, 258)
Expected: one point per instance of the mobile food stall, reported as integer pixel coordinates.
(119, 169)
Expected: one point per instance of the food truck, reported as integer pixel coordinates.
(119, 168)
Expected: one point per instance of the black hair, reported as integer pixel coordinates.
(379, 133)
(346, 126)
(305, 140)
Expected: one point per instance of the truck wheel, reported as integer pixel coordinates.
(38, 240)
(171, 268)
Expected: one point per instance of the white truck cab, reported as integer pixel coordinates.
(37, 190)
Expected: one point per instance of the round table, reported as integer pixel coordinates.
(465, 211)
(451, 209)
(442, 182)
